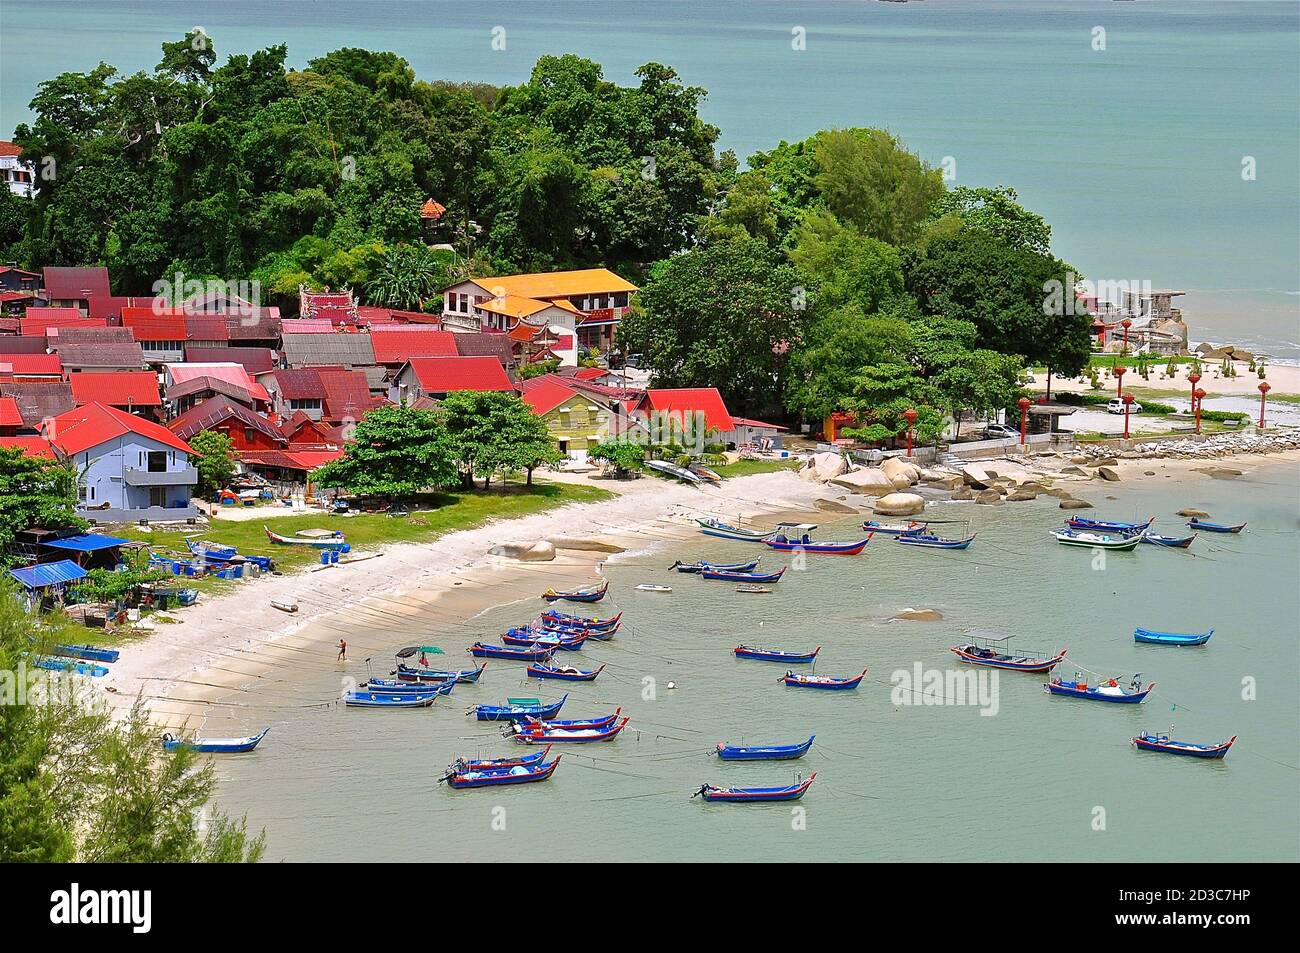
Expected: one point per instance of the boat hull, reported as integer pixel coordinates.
(545, 671)
(727, 576)
(764, 753)
(1010, 663)
(833, 684)
(825, 549)
(504, 777)
(757, 795)
(1170, 638)
(1186, 749)
(1071, 690)
(389, 699)
(595, 595)
(1215, 527)
(515, 713)
(935, 542)
(776, 655)
(726, 531)
(478, 650)
(217, 745)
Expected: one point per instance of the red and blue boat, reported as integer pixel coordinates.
(997, 657)
(390, 699)
(527, 635)
(567, 673)
(396, 685)
(776, 655)
(830, 683)
(797, 537)
(511, 653)
(1166, 745)
(519, 709)
(465, 676)
(790, 792)
(1152, 637)
(754, 577)
(574, 724)
(910, 528)
(590, 594)
(461, 765)
(728, 752)
(1108, 690)
(702, 565)
(522, 774)
(1195, 523)
(581, 621)
(540, 735)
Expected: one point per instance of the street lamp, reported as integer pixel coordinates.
(1194, 378)
(910, 416)
(1264, 388)
(1023, 404)
(1119, 373)
(1198, 395)
(1128, 402)
(1126, 324)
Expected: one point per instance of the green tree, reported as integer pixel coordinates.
(406, 277)
(34, 492)
(846, 266)
(997, 212)
(396, 452)
(492, 431)
(622, 455)
(215, 459)
(833, 352)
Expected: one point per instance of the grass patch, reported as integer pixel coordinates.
(750, 467)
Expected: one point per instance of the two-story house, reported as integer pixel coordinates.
(18, 176)
(577, 421)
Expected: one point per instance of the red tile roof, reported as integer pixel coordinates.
(38, 320)
(110, 306)
(9, 416)
(215, 410)
(545, 393)
(438, 375)
(31, 365)
(689, 400)
(305, 460)
(234, 374)
(301, 383)
(10, 148)
(347, 393)
(254, 360)
(149, 324)
(396, 344)
(124, 389)
(747, 422)
(206, 327)
(75, 283)
(305, 326)
(93, 424)
(30, 446)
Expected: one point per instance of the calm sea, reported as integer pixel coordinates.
(1039, 778)
(1134, 152)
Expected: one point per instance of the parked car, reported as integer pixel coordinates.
(999, 431)
(1116, 406)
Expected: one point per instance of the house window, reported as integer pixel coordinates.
(157, 461)
(248, 434)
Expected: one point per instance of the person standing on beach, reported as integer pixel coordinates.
(343, 651)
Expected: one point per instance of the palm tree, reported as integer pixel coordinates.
(408, 275)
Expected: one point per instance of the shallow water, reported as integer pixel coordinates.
(894, 781)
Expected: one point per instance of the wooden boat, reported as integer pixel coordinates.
(525, 774)
(702, 565)
(538, 735)
(543, 624)
(574, 724)
(910, 528)
(510, 653)
(936, 542)
(1195, 523)
(752, 589)
(790, 792)
(1108, 691)
(1108, 526)
(590, 594)
(728, 752)
(215, 745)
(465, 676)
(518, 709)
(566, 673)
(73, 666)
(986, 655)
(673, 470)
(1166, 745)
(1089, 540)
(581, 621)
(651, 587)
(754, 577)
(525, 635)
(1173, 542)
(92, 653)
(462, 765)
(708, 473)
(390, 699)
(337, 541)
(776, 655)
(798, 536)
(1170, 638)
(187, 597)
(396, 685)
(825, 682)
(225, 554)
(715, 527)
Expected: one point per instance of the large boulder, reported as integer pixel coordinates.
(830, 465)
(1193, 511)
(899, 504)
(584, 545)
(832, 506)
(869, 480)
(963, 493)
(809, 474)
(1108, 474)
(1020, 493)
(1075, 505)
(920, 615)
(946, 481)
(899, 472)
(1059, 492)
(539, 552)
(989, 497)
(1219, 473)
(976, 476)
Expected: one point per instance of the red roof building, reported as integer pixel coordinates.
(684, 403)
(129, 390)
(74, 287)
(396, 344)
(31, 367)
(92, 425)
(439, 376)
(246, 429)
(38, 321)
(30, 446)
(10, 418)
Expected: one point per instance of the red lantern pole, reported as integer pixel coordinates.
(910, 415)
(1126, 324)
(1024, 417)
(1200, 396)
(1128, 402)
(1119, 373)
(1264, 388)
(1194, 378)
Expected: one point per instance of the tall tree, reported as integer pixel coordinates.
(216, 459)
(396, 452)
(34, 492)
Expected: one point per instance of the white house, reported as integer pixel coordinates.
(18, 175)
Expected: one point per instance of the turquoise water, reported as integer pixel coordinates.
(894, 781)
(1133, 153)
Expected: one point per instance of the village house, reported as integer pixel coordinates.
(136, 392)
(328, 348)
(18, 289)
(246, 429)
(74, 287)
(28, 366)
(40, 321)
(11, 421)
(128, 468)
(576, 421)
(188, 384)
(436, 377)
(682, 412)
(100, 356)
(334, 395)
(394, 345)
(37, 401)
(17, 175)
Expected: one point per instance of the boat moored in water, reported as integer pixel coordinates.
(1152, 637)
(776, 655)
(1090, 540)
(520, 774)
(511, 653)
(215, 745)
(590, 594)
(751, 577)
(1170, 542)
(932, 541)
(538, 734)
(789, 792)
(702, 565)
(715, 527)
(519, 709)
(997, 657)
(826, 682)
(728, 752)
(797, 537)
(1108, 526)
(1166, 745)
(910, 528)
(1108, 690)
(568, 673)
(1195, 523)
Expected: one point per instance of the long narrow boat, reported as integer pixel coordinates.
(1152, 637)
(396, 685)
(754, 577)
(465, 676)
(1089, 540)
(728, 752)
(92, 653)
(590, 594)
(790, 792)
(226, 554)
(338, 541)
(582, 621)
(574, 724)
(1171, 542)
(783, 544)
(461, 765)
(543, 624)
(516, 775)
(389, 699)
(1108, 691)
(699, 469)
(672, 469)
(910, 528)
(530, 735)
(524, 635)
(775, 655)
(825, 682)
(936, 542)
(69, 665)
(518, 712)
(1195, 523)
(1108, 526)
(566, 673)
(1166, 745)
(702, 565)
(715, 527)
(510, 653)
(990, 657)
(215, 745)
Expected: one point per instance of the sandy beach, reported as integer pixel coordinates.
(1282, 378)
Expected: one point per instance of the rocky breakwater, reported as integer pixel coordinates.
(1214, 445)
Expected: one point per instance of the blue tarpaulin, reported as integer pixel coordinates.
(48, 574)
(86, 543)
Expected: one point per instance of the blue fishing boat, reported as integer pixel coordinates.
(792, 537)
(1166, 745)
(790, 792)
(226, 554)
(575, 724)
(396, 685)
(776, 655)
(533, 734)
(526, 635)
(566, 673)
(825, 682)
(936, 542)
(92, 653)
(577, 595)
(520, 774)
(70, 665)
(1172, 542)
(752, 577)
(581, 621)
(510, 653)
(1171, 638)
(1109, 690)
(1195, 523)
(702, 565)
(1088, 539)
(390, 699)
(910, 528)
(997, 657)
(721, 530)
(1108, 526)
(728, 752)
(465, 675)
(518, 709)
(461, 765)
(215, 745)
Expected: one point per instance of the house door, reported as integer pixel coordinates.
(158, 496)
(564, 447)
